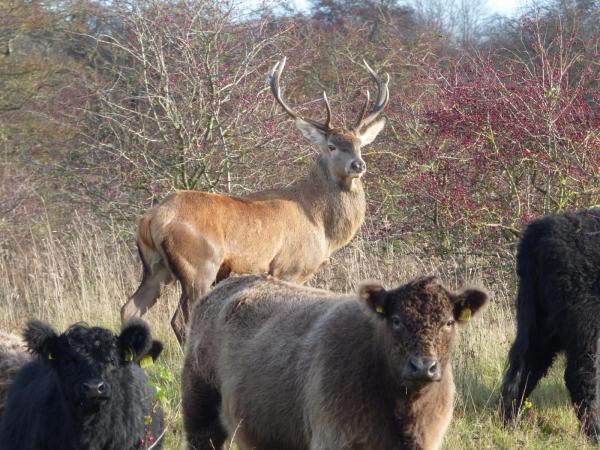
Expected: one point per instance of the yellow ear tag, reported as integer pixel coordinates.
(146, 361)
(465, 314)
(128, 356)
(379, 310)
(51, 356)
(148, 419)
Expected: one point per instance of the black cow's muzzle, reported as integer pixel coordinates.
(94, 394)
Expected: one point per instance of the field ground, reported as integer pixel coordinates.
(88, 279)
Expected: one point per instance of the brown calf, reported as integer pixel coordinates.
(199, 238)
(280, 366)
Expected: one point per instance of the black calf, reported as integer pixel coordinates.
(84, 391)
(558, 310)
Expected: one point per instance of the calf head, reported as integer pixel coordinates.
(419, 324)
(86, 360)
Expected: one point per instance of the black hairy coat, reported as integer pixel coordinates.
(49, 406)
(558, 310)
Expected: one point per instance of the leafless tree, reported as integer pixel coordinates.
(184, 82)
(459, 19)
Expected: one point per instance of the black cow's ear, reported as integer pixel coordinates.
(135, 340)
(374, 295)
(155, 350)
(469, 303)
(40, 339)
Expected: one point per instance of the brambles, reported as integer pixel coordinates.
(510, 135)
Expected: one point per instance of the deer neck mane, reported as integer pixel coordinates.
(339, 206)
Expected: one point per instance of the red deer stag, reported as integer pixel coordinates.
(199, 238)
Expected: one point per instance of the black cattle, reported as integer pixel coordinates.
(558, 310)
(84, 390)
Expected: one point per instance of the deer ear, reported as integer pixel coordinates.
(311, 133)
(370, 133)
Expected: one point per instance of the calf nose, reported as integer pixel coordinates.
(96, 389)
(358, 166)
(422, 368)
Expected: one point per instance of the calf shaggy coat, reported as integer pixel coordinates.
(83, 391)
(558, 304)
(281, 366)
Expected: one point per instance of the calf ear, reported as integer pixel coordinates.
(469, 303)
(155, 350)
(40, 339)
(135, 340)
(374, 295)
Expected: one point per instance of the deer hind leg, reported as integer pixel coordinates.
(154, 275)
(195, 262)
(191, 289)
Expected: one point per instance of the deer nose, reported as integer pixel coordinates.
(422, 368)
(96, 389)
(358, 166)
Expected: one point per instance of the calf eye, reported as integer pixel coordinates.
(396, 323)
(331, 147)
(68, 361)
(448, 325)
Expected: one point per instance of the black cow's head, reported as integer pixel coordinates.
(421, 318)
(86, 359)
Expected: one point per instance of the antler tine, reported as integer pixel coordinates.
(274, 75)
(362, 111)
(383, 96)
(328, 106)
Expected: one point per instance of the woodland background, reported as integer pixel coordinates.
(107, 106)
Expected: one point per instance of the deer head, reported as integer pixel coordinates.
(341, 147)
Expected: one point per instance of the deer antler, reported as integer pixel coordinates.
(276, 90)
(383, 96)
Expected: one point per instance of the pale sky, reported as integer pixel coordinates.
(505, 7)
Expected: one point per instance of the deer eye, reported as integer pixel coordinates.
(331, 147)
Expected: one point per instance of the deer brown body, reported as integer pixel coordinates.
(200, 238)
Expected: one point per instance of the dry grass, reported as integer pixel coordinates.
(87, 276)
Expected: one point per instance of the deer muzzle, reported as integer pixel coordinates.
(357, 167)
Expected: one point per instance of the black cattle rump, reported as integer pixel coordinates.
(558, 310)
(84, 390)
